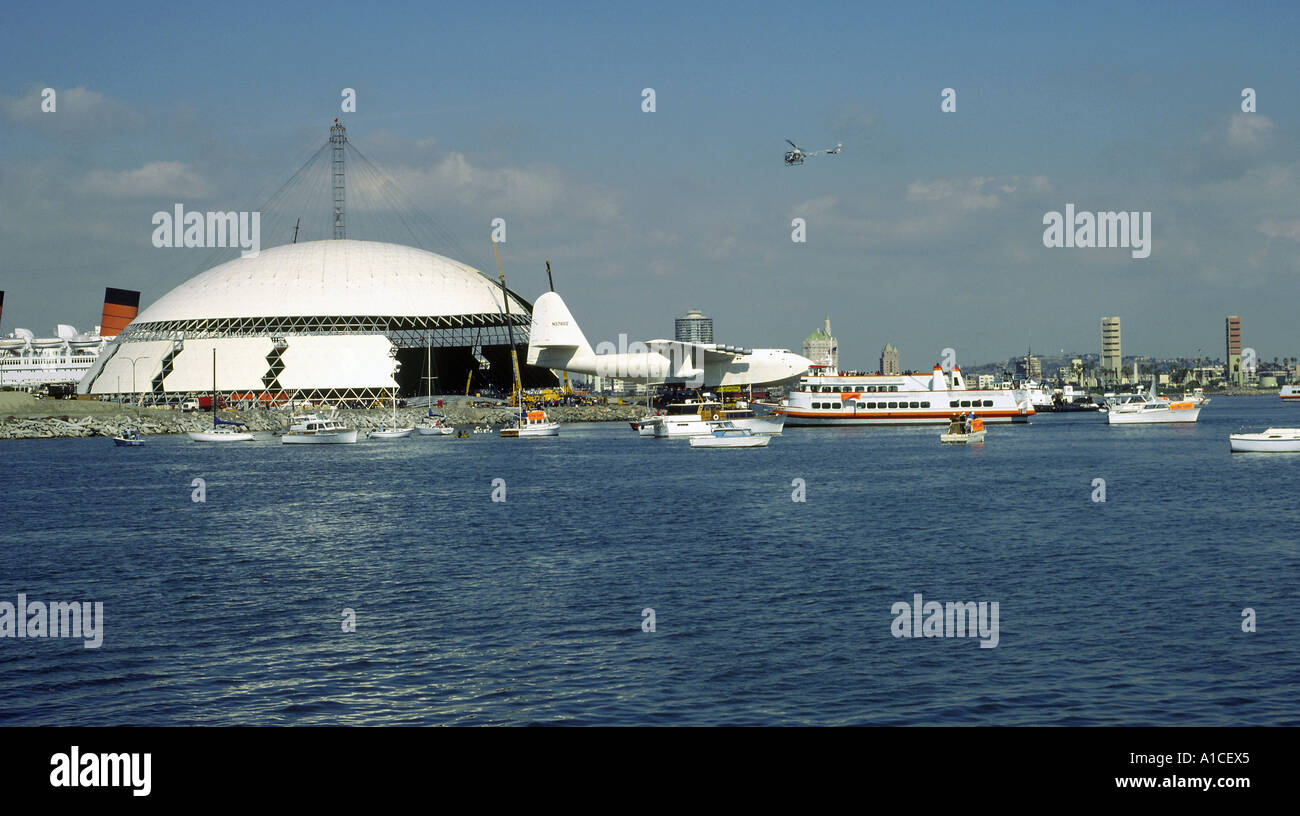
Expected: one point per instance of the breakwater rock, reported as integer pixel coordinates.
(150, 421)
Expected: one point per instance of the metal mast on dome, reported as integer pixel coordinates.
(338, 138)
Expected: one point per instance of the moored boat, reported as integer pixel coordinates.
(1151, 408)
(1272, 440)
(314, 429)
(532, 423)
(434, 425)
(223, 430)
(693, 417)
(726, 434)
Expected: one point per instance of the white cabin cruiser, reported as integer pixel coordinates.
(726, 434)
(1273, 440)
(314, 429)
(1150, 408)
(694, 418)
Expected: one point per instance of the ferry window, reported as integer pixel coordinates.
(836, 405)
(925, 405)
(858, 389)
(965, 403)
(915, 404)
(816, 405)
(871, 405)
(953, 404)
(893, 388)
(893, 405)
(988, 403)
(871, 388)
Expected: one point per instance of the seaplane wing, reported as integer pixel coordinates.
(555, 341)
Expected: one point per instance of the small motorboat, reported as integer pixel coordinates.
(963, 430)
(726, 434)
(129, 438)
(1272, 440)
(532, 423)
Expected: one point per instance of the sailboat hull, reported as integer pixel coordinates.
(400, 433)
(220, 436)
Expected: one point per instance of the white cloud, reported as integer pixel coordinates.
(166, 178)
(77, 111)
(511, 190)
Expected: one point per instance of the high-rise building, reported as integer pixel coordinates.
(1232, 330)
(822, 349)
(888, 360)
(1112, 356)
(694, 328)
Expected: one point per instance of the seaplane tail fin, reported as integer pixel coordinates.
(555, 338)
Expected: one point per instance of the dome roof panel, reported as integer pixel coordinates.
(333, 277)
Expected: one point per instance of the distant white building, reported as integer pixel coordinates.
(822, 348)
(986, 381)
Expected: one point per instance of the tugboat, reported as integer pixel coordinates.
(963, 430)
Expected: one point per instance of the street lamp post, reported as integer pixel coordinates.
(134, 360)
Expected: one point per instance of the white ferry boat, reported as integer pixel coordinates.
(899, 399)
(1290, 392)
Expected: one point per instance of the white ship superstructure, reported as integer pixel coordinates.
(30, 361)
(901, 399)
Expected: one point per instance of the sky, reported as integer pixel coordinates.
(926, 232)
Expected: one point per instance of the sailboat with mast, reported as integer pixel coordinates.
(394, 432)
(531, 422)
(223, 430)
(431, 424)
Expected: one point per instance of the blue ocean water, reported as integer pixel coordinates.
(767, 610)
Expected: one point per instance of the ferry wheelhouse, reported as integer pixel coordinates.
(899, 399)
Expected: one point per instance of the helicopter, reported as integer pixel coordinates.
(796, 156)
